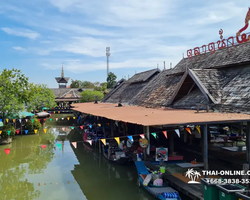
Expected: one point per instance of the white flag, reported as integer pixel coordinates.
(177, 132)
(74, 144)
(89, 141)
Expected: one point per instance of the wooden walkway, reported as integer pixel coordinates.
(194, 192)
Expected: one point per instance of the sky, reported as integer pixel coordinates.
(38, 36)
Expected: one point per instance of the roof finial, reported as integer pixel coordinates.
(62, 75)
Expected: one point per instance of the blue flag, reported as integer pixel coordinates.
(131, 138)
(26, 131)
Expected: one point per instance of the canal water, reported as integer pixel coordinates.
(59, 171)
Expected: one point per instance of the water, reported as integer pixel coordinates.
(62, 172)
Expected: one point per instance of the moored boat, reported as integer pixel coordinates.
(161, 191)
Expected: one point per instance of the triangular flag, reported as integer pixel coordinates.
(198, 128)
(50, 119)
(103, 141)
(0, 132)
(58, 111)
(26, 131)
(116, 123)
(89, 141)
(165, 133)
(56, 119)
(72, 127)
(74, 144)
(14, 120)
(59, 146)
(35, 130)
(45, 130)
(9, 132)
(49, 111)
(20, 120)
(26, 120)
(7, 120)
(68, 118)
(1, 120)
(39, 120)
(90, 126)
(99, 124)
(54, 112)
(7, 151)
(43, 146)
(117, 140)
(177, 132)
(154, 134)
(142, 135)
(62, 118)
(63, 128)
(32, 120)
(131, 138)
(44, 119)
(74, 117)
(17, 131)
(81, 127)
(188, 130)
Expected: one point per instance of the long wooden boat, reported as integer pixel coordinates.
(160, 192)
(114, 155)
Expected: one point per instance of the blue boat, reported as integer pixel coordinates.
(160, 192)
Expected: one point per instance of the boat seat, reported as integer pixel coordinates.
(143, 176)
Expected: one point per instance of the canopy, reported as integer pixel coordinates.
(21, 114)
(44, 108)
(42, 114)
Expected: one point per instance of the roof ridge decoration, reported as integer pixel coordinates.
(223, 43)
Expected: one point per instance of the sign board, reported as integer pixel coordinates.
(161, 154)
(143, 143)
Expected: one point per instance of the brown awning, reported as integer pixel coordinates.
(152, 117)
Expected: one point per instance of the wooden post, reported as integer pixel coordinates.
(205, 148)
(100, 150)
(171, 141)
(148, 137)
(112, 128)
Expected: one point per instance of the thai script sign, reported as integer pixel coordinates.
(222, 43)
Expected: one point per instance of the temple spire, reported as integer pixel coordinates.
(62, 75)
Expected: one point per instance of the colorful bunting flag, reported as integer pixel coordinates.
(131, 138)
(49, 112)
(39, 120)
(81, 127)
(177, 132)
(50, 119)
(26, 131)
(44, 119)
(35, 131)
(63, 128)
(198, 128)
(7, 120)
(14, 120)
(54, 112)
(90, 126)
(68, 118)
(62, 118)
(72, 127)
(7, 151)
(90, 142)
(17, 131)
(45, 130)
(74, 144)
(154, 134)
(58, 111)
(74, 117)
(54, 129)
(26, 120)
(20, 120)
(32, 120)
(117, 140)
(99, 124)
(165, 133)
(188, 130)
(43, 146)
(142, 135)
(0, 132)
(56, 119)
(103, 141)
(59, 146)
(9, 132)
(1, 120)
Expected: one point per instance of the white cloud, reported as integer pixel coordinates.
(21, 32)
(18, 48)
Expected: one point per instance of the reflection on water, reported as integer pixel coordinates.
(62, 172)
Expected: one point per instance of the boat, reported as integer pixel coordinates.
(114, 154)
(163, 192)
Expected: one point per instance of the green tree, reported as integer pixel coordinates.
(76, 84)
(43, 97)
(111, 80)
(87, 84)
(14, 92)
(89, 95)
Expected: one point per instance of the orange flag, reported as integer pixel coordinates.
(188, 130)
(103, 141)
(165, 133)
(14, 120)
(68, 118)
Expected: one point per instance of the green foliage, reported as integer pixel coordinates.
(6, 128)
(75, 84)
(102, 87)
(89, 95)
(14, 92)
(31, 126)
(111, 80)
(42, 96)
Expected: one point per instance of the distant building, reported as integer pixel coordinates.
(62, 81)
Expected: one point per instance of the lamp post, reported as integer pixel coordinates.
(107, 54)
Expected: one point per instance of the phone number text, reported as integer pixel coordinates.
(228, 181)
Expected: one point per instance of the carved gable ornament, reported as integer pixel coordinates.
(222, 43)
